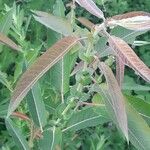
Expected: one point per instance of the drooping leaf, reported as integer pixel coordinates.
(55, 23)
(39, 68)
(136, 20)
(138, 129)
(51, 139)
(83, 119)
(19, 139)
(115, 104)
(7, 41)
(119, 71)
(90, 6)
(129, 57)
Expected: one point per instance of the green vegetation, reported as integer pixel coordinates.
(58, 88)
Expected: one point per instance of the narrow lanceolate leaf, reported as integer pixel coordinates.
(129, 57)
(119, 70)
(116, 103)
(90, 6)
(5, 40)
(51, 139)
(85, 118)
(86, 22)
(55, 23)
(36, 106)
(137, 20)
(39, 68)
(138, 129)
(19, 139)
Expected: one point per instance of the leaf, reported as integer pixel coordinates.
(4, 81)
(19, 139)
(115, 104)
(129, 57)
(39, 68)
(135, 87)
(140, 105)
(59, 8)
(55, 23)
(139, 131)
(59, 75)
(119, 70)
(91, 7)
(36, 106)
(5, 40)
(136, 20)
(6, 21)
(127, 35)
(86, 22)
(51, 139)
(83, 119)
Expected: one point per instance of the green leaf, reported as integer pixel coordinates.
(127, 35)
(51, 139)
(4, 81)
(59, 8)
(135, 87)
(83, 119)
(55, 23)
(19, 139)
(6, 21)
(140, 105)
(36, 106)
(39, 68)
(139, 131)
(59, 74)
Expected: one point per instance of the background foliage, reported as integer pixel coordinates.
(16, 21)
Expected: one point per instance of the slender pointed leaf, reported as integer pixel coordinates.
(137, 20)
(36, 106)
(51, 139)
(139, 131)
(116, 104)
(129, 57)
(5, 40)
(90, 6)
(55, 23)
(83, 119)
(4, 81)
(39, 68)
(119, 71)
(19, 139)
(86, 22)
